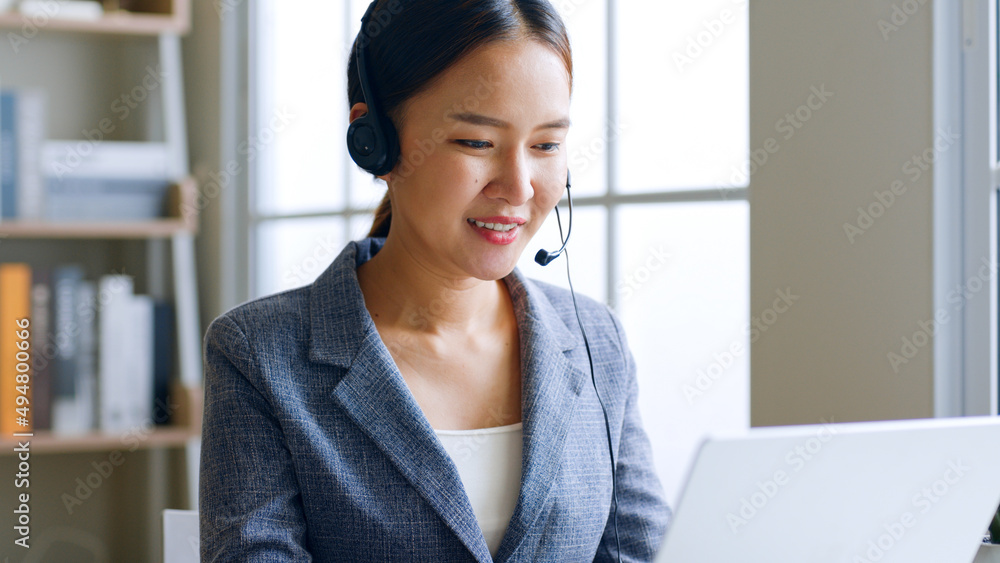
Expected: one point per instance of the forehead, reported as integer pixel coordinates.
(515, 80)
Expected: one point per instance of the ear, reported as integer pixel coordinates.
(357, 110)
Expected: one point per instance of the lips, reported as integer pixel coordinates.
(498, 229)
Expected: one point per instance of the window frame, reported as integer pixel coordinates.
(981, 181)
(612, 200)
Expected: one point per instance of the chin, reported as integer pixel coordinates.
(493, 274)
(492, 270)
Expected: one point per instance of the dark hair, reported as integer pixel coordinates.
(411, 42)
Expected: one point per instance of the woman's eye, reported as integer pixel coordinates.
(479, 145)
(548, 147)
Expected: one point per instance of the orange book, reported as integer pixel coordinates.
(15, 310)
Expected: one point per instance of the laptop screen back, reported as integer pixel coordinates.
(902, 491)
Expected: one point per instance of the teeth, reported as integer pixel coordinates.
(499, 227)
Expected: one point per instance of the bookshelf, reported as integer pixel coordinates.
(175, 223)
(177, 227)
(118, 23)
(160, 468)
(187, 423)
(160, 228)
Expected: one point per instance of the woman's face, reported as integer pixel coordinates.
(483, 160)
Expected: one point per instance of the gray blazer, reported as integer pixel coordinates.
(313, 448)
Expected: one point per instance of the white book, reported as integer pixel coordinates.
(31, 132)
(114, 320)
(127, 160)
(87, 10)
(139, 354)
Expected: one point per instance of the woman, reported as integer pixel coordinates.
(421, 400)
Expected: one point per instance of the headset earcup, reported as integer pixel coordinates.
(364, 144)
(373, 148)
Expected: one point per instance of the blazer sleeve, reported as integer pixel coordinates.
(643, 512)
(250, 506)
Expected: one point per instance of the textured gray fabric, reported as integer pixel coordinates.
(313, 448)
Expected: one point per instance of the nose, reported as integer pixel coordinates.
(512, 181)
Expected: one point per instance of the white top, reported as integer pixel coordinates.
(489, 462)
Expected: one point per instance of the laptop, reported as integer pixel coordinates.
(916, 491)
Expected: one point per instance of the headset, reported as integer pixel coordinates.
(374, 145)
(371, 139)
(544, 257)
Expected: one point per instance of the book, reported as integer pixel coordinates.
(105, 199)
(114, 326)
(15, 367)
(43, 351)
(8, 155)
(84, 10)
(106, 180)
(86, 358)
(122, 160)
(139, 354)
(31, 133)
(164, 351)
(66, 337)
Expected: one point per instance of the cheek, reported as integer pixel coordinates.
(548, 197)
(437, 194)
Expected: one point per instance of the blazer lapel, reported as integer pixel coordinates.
(372, 392)
(550, 387)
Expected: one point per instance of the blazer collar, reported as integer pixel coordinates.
(375, 396)
(338, 308)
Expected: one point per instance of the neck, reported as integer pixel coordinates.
(403, 293)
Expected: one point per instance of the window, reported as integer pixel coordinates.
(981, 182)
(658, 152)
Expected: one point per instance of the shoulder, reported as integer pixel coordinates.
(288, 336)
(287, 316)
(256, 338)
(282, 313)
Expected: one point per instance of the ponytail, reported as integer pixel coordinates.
(383, 217)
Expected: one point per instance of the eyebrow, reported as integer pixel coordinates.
(478, 119)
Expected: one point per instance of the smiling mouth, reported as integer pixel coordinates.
(498, 227)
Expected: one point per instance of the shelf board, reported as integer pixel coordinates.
(46, 442)
(159, 228)
(119, 23)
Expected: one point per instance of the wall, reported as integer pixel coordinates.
(858, 290)
(202, 81)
